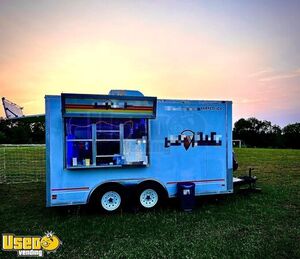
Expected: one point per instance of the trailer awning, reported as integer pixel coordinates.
(108, 106)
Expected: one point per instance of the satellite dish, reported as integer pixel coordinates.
(14, 112)
(11, 109)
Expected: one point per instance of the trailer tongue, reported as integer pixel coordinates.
(247, 180)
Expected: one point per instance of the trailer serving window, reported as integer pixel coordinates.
(106, 142)
(101, 141)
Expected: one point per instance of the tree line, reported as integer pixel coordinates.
(22, 132)
(252, 132)
(255, 133)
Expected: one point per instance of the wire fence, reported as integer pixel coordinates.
(22, 163)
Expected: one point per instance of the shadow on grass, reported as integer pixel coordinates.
(171, 204)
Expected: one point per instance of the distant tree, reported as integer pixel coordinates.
(256, 133)
(241, 126)
(276, 136)
(3, 138)
(20, 132)
(291, 135)
(38, 132)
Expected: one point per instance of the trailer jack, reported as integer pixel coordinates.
(247, 180)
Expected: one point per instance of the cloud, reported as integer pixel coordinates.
(261, 72)
(250, 100)
(280, 76)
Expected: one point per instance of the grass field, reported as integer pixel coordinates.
(265, 225)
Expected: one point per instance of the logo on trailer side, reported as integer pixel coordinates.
(189, 138)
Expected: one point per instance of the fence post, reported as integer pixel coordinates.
(4, 166)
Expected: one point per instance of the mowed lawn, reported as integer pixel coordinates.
(264, 225)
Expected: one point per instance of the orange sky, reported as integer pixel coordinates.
(247, 52)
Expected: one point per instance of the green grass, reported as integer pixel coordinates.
(234, 226)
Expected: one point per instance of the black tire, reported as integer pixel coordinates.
(150, 196)
(108, 199)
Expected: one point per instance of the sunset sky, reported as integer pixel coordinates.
(244, 51)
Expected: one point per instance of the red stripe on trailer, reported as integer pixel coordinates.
(71, 189)
(199, 181)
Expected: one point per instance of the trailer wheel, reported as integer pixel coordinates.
(150, 196)
(111, 200)
(108, 199)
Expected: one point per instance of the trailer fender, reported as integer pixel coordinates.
(104, 185)
(155, 182)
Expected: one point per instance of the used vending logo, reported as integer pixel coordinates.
(31, 246)
(189, 138)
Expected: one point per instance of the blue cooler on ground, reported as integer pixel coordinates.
(186, 195)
